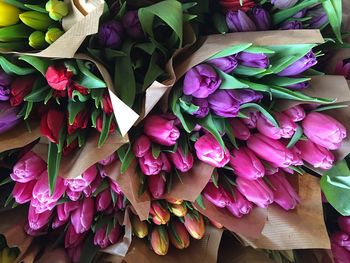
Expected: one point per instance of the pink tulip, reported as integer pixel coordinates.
(181, 162)
(156, 185)
(340, 255)
(82, 217)
(270, 169)
(81, 182)
(141, 146)
(324, 130)
(103, 200)
(246, 164)
(102, 240)
(252, 119)
(56, 222)
(108, 160)
(166, 163)
(216, 195)
(270, 150)
(37, 220)
(28, 168)
(297, 160)
(42, 200)
(284, 194)
(238, 205)
(209, 151)
(151, 166)
(295, 113)
(71, 238)
(286, 127)
(255, 191)
(115, 186)
(344, 223)
(266, 128)
(22, 192)
(341, 239)
(64, 210)
(316, 155)
(73, 195)
(239, 129)
(161, 130)
(88, 191)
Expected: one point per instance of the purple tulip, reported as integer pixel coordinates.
(292, 25)
(132, 25)
(238, 21)
(300, 65)
(201, 81)
(247, 95)
(5, 82)
(253, 60)
(203, 105)
(283, 4)
(225, 64)
(224, 103)
(318, 16)
(261, 18)
(110, 34)
(301, 13)
(8, 116)
(299, 86)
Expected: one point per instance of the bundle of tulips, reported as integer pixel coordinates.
(340, 240)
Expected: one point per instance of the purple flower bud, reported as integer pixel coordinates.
(283, 4)
(261, 18)
(292, 25)
(246, 95)
(132, 25)
(318, 17)
(225, 64)
(300, 65)
(110, 34)
(224, 103)
(253, 60)
(300, 14)
(5, 81)
(299, 86)
(8, 116)
(238, 21)
(203, 105)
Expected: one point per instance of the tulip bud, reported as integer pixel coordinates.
(82, 217)
(64, 210)
(225, 64)
(139, 228)
(253, 60)
(160, 215)
(51, 124)
(341, 239)
(58, 77)
(149, 165)
(179, 210)
(36, 220)
(20, 87)
(286, 127)
(344, 223)
(36, 20)
(299, 86)
(132, 25)
(340, 255)
(53, 34)
(181, 162)
(216, 195)
(238, 21)
(9, 14)
(318, 16)
(195, 225)
(216, 224)
(202, 111)
(299, 66)
(110, 34)
(178, 235)
(238, 205)
(108, 160)
(224, 103)
(141, 146)
(22, 192)
(239, 129)
(156, 185)
(103, 200)
(37, 40)
(57, 9)
(283, 4)
(71, 238)
(261, 18)
(174, 201)
(251, 120)
(295, 113)
(291, 25)
(161, 130)
(28, 168)
(160, 240)
(82, 181)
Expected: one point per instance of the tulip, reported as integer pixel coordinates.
(252, 119)
(238, 21)
(216, 195)
(82, 217)
(37, 40)
(283, 4)
(9, 14)
(209, 151)
(57, 9)
(179, 210)
(340, 255)
(246, 95)
(299, 66)
(238, 205)
(83, 181)
(42, 199)
(73, 195)
(7, 255)
(235, 5)
(297, 160)
(295, 113)
(161, 130)
(156, 185)
(5, 82)
(239, 129)
(178, 235)
(53, 34)
(341, 239)
(58, 77)
(115, 186)
(110, 34)
(21, 87)
(286, 127)
(225, 64)
(64, 210)
(181, 161)
(28, 168)
(99, 125)
(299, 86)
(160, 240)
(22, 192)
(253, 60)
(103, 240)
(284, 194)
(324, 130)
(103, 200)
(37, 220)
(80, 121)
(316, 155)
(57, 223)
(149, 165)
(36, 20)
(141, 146)
(318, 16)
(75, 88)
(201, 81)
(72, 239)
(108, 160)
(139, 228)
(261, 18)
(203, 109)
(270, 150)
(194, 225)
(224, 103)
(216, 224)
(268, 129)
(174, 201)
(160, 215)
(88, 191)
(344, 223)
(245, 164)
(292, 25)
(132, 25)
(255, 191)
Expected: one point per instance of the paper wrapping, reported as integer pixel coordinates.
(204, 251)
(77, 162)
(301, 228)
(57, 255)
(19, 136)
(346, 17)
(314, 255)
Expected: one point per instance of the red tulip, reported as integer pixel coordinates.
(51, 125)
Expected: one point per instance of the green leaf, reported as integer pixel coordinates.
(262, 110)
(112, 53)
(220, 23)
(11, 68)
(199, 201)
(40, 64)
(230, 134)
(73, 109)
(18, 45)
(37, 8)
(6, 181)
(155, 150)
(331, 107)
(259, 49)
(283, 81)
(188, 106)
(296, 136)
(231, 51)
(248, 71)
(256, 86)
(16, 3)
(127, 159)
(148, 47)
(28, 109)
(208, 124)
(53, 162)
(230, 82)
(333, 9)
(106, 124)
(86, 78)
(38, 94)
(153, 72)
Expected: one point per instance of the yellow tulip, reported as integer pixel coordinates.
(7, 256)
(9, 15)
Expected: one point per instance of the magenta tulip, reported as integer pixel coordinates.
(344, 223)
(216, 195)
(115, 186)
(37, 220)
(64, 210)
(341, 239)
(150, 165)
(161, 130)
(103, 240)
(108, 160)
(156, 185)
(103, 200)
(22, 192)
(239, 129)
(181, 162)
(73, 195)
(82, 217)
(238, 205)
(252, 119)
(141, 146)
(83, 181)
(295, 113)
(28, 168)
(72, 239)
